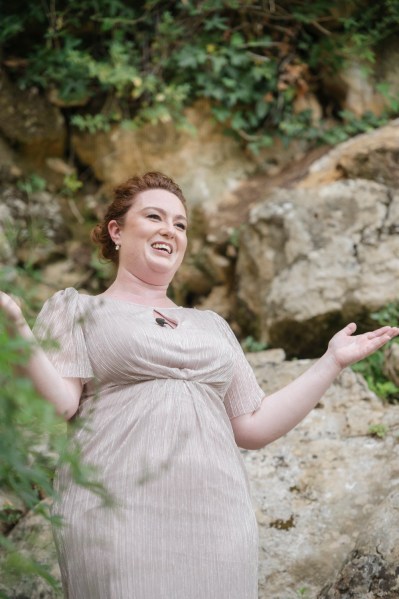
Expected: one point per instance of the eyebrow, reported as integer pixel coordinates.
(163, 212)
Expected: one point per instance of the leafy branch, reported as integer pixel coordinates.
(250, 60)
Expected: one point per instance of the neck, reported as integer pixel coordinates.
(129, 287)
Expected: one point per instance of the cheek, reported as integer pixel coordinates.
(184, 245)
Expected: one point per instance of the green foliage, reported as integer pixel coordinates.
(92, 122)
(32, 440)
(377, 430)
(71, 184)
(388, 315)
(32, 184)
(349, 126)
(26, 424)
(103, 269)
(234, 237)
(143, 62)
(250, 344)
(372, 368)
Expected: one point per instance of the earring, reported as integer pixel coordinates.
(117, 246)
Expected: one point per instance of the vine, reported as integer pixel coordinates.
(109, 61)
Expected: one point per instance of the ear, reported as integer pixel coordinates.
(114, 231)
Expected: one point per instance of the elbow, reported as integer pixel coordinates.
(69, 398)
(247, 433)
(66, 407)
(66, 413)
(250, 442)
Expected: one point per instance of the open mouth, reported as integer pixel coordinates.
(163, 247)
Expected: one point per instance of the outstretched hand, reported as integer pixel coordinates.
(347, 348)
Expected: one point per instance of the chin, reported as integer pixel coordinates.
(165, 267)
(160, 275)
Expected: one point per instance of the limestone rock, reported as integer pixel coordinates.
(373, 156)
(371, 570)
(356, 86)
(29, 225)
(62, 274)
(310, 260)
(190, 282)
(11, 510)
(354, 89)
(206, 163)
(29, 120)
(7, 255)
(8, 160)
(314, 488)
(60, 166)
(391, 363)
(33, 539)
(308, 102)
(387, 65)
(219, 300)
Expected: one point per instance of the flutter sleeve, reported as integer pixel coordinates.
(244, 395)
(59, 328)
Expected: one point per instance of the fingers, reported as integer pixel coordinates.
(378, 342)
(385, 330)
(4, 299)
(7, 299)
(390, 332)
(350, 328)
(10, 307)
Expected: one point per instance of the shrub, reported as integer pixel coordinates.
(145, 61)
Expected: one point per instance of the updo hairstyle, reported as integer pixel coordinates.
(124, 197)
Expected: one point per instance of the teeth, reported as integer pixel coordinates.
(162, 246)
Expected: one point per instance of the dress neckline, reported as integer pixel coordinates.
(150, 307)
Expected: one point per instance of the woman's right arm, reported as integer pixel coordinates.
(64, 393)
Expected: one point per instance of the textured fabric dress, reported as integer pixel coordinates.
(156, 409)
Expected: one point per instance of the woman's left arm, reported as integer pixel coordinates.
(284, 409)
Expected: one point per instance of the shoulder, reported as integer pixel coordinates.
(221, 323)
(216, 317)
(70, 296)
(206, 314)
(65, 300)
(58, 312)
(64, 295)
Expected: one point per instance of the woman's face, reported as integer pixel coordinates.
(153, 238)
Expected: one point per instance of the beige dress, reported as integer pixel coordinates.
(156, 408)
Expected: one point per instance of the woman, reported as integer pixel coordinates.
(166, 396)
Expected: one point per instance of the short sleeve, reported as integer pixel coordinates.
(244, 395)
(59, 327)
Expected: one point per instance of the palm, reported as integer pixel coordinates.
(348, 349)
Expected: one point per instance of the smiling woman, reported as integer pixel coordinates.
(124, 196)
(152, 241)
(164, 397)
(145, 232)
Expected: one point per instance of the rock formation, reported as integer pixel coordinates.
(310, 260)
(371, 570)
(29, 122)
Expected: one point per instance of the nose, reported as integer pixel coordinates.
(168, 230)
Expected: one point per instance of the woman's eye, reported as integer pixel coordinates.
(154, 216)
(181, 226)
